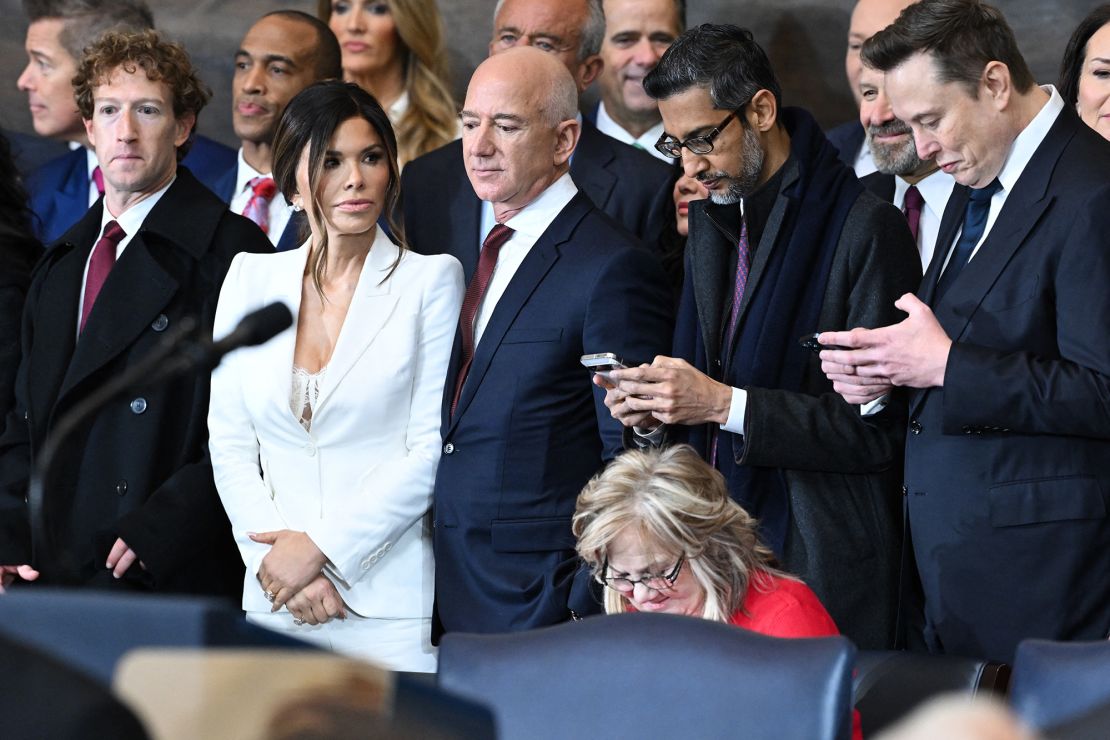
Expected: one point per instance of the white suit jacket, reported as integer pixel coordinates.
(360, 483)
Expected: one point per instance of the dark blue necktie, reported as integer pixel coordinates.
(975, 220)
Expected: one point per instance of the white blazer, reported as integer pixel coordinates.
(361, 482)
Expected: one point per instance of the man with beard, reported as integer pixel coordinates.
(916, 186)
(282, 54)
(788, 242)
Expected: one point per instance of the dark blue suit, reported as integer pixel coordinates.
(31, 152)
(1007, 470)
(59, 189)
(530, 429)
(632, 187)
(224, 187)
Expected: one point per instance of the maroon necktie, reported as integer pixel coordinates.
(98, 179)
(911, 206)
(497, 237)
(100, 264)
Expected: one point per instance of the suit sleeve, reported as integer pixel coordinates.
(232, 441)
(1063, 394)
(630, 313)
(395, 494)
(823, 432)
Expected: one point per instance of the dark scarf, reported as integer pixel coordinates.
(786, 304)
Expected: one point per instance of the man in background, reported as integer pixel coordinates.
(284, 52)
(637, 32)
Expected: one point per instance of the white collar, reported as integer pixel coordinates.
(606, 125)
(399, 108)
(91, 162)
(132, 218)
(535, 217)
(1027, 142)
(935, 189)
(245, 173)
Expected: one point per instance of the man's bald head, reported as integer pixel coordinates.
(519, 127)
(868, 18)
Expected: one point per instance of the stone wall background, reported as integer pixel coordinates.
(804, 38)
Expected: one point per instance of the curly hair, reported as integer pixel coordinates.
(681, 505)
(162, 60)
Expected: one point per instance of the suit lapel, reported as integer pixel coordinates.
(371, 306)
(880, 185)
(136, 291)
(950, 224)
(588, 168)
(539, 261)
(708, 261)
(290, 238)
(72, 199)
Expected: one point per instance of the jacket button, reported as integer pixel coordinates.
(915, 427)
(449, 448)
(138, 406)
(121, 487)
(160, 323)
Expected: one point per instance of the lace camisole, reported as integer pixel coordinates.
(305, 393)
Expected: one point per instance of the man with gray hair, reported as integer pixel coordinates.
(63, 189)
(523, 429)
(628, 184)
(915, 185)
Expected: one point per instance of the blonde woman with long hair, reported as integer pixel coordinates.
(394, 50)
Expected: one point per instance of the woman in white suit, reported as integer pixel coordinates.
(325, 440)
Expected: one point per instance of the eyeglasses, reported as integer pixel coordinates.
(626, 585)
(672, 147)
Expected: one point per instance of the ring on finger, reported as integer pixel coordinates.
(269, 595)
(298, 621)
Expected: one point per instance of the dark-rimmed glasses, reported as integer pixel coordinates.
(626, 585)
(670, 146)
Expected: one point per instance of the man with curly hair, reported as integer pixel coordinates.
(130, 502)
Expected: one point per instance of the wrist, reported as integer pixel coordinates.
(722, 405)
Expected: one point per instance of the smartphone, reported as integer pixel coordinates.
(809, 341)
(602, 362)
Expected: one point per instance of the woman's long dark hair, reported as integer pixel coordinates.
(310, 120)
(1071, 66)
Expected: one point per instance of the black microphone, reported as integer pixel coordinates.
(255, 328)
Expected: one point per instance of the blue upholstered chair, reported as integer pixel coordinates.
(653, 676)
(1056, 682)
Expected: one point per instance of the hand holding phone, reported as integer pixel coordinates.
(602, 363)
(809, 341)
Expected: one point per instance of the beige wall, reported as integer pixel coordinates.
(805, 40)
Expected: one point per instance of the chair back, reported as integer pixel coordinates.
(91, 630)
(653, 676)
(1055, 682)
(890, 684)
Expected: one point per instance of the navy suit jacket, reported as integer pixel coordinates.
(530, 428)
(224, 188)
(632, 187)
(59, 189)
(848, 139)
(1006, 464)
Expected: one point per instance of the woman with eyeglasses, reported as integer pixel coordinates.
(659, 530)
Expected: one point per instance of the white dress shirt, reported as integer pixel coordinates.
(1021, 151)
(865, 163)
(91, 163)
(130, 221)
(528, 226)
(935, 191)
(279, 212)
(646, 141)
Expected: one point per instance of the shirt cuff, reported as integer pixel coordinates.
(874, 407)
(737, 410)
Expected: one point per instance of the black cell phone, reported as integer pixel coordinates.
(809, 341)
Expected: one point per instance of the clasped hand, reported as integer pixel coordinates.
(293, 562)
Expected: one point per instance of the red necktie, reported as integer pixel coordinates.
(98, 179)
(100, 264)
(257, 209)
(743, 264)
(497, 237)
(911, 206)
